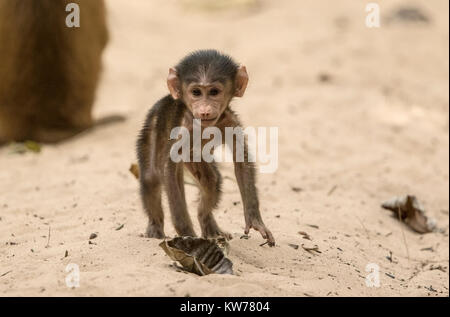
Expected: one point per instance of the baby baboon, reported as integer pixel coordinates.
(201, 87)
(48, 71)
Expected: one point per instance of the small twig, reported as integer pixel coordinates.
(390, 275)
(439, 267)
(431, 289)
(264, 243)
(305, 235)
(331, 191)
(389, 257)
(48, 240)
(314, 248)
(403, 233)
(5, 273)
(365, 229)
(120, 227)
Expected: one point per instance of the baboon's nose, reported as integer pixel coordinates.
(205, 114)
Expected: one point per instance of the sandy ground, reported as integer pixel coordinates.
(376, 129)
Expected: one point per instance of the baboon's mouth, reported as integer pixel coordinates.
(209, 120)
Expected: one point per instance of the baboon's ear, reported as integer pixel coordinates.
(173, 83)
(241, 81)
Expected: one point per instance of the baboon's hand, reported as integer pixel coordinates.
(259, 226)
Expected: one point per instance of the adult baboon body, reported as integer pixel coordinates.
(48, 71)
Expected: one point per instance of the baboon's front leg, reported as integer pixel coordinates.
(175, 193)
(246, 179)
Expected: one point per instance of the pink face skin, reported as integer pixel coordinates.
(206, 100)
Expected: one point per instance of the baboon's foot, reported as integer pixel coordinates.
(213, 231)
(155, 231)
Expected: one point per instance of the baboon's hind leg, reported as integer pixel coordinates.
(210, 180)
(151, 199)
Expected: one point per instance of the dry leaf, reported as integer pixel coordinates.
(409, 210)
(409, 14)
(27, 146)
(134, 169)
(198, 255)
(188, 178)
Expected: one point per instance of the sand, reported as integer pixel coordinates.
(362, 116)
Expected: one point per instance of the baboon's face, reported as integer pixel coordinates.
(207, 97)
(207, 100)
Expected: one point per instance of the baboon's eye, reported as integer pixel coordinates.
(214, 92)
(196, 92)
